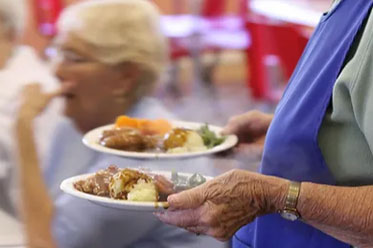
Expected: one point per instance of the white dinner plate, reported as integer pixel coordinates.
(91, 139)
(67, 186)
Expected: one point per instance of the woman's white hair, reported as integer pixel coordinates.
(12, 13)
(120, 31)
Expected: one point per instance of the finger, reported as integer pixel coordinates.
(55, 93)
(180, 218)
(234, 125)
(191, 198)
(47, 97)
(229, 129)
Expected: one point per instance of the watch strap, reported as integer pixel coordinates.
(293, 195)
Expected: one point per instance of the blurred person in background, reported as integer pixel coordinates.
(19, 65)
(111, 54)
(315, 187)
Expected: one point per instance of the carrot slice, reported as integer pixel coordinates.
(125, 121)
(152, 127)
(148, 127)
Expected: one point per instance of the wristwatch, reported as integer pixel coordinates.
(290, 212)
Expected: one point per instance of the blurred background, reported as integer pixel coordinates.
(226, 56)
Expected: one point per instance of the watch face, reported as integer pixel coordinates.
(289, 215)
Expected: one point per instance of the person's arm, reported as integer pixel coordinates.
(221, 206)
(345, 213)
(36, 205)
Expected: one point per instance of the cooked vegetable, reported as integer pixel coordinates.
(145, 126)
(181, 140)
(176, 138)
(210, 139)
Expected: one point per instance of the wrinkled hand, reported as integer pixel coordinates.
(221, 206)
(251, 129)
(35, 100)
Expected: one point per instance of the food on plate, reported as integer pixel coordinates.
(144, 126)
(142, 135)
(183, 140)
(99, 183)
(210, 139)
(128, 139)
(135, 185)
(132, 185)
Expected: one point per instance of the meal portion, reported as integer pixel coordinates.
(135, 185)
(141, 135)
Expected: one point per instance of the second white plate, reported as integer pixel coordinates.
(67, 186)
(91, 139)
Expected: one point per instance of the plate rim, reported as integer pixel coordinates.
(231, 141)
(67, 186)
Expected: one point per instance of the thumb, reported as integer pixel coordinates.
(187, 199)
(49, 96)
(235, 125)
(230, 128)
(55, 93)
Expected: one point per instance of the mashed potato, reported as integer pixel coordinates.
(193, 143)
(133, 185)
(143, 191)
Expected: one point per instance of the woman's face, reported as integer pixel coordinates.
(92, 88)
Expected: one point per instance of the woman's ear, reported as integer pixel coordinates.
(126, 85)
(129, 74)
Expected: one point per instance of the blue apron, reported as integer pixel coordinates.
(291, 148)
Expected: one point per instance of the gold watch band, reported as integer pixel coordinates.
(290, 211)
(293, 195)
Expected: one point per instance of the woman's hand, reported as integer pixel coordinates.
(221, 206)
(250, 127)
(35, 100)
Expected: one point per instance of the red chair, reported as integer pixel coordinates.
(273, 44)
